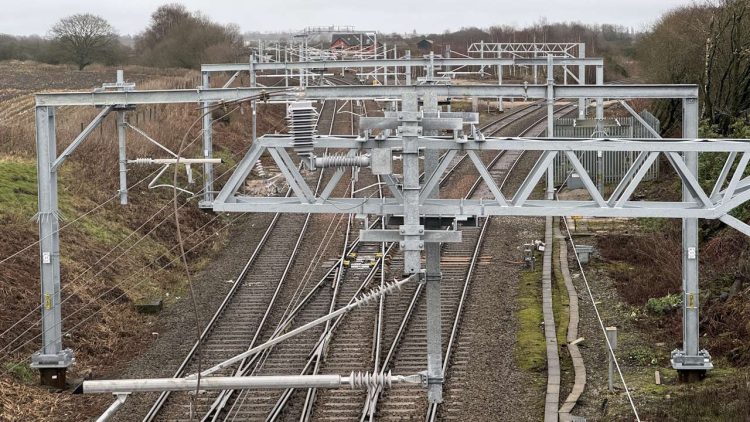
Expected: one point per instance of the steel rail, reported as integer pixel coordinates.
(337, 269)
(433, 407)
(224, 396)
(371, 402)
(162, 399)
(318, 350)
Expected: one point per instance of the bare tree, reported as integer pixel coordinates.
(178, 38)
(85, 36)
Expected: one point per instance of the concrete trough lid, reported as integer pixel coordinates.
(584, 253)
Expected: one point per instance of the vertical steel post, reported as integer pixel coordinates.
(612, 337)
(690, 240)
(481, 55)
(122, 157)
(361, 54)
(690, 360)
(582, 80)
(121, 149)
(395, 69)
(433, 278)
(301, 70)
(599, 100)
(385, 68)
(286, 72)
(51, 360)
(254, 103)
(408, 68)
(208, 168)
(500, 82)
(550, 123)
(410, 130)
(600, 130)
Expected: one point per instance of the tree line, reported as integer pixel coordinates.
(706, 44)
(175, 37)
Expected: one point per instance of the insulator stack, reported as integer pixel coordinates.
(361, 380)
(141, 160)
(260, 170)
(376, 293)
(301, 119)
(342, 161)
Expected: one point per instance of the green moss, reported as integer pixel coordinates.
(104, 230)
(17, 188)
(21, 371)
(530, 350)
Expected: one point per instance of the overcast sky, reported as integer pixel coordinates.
(25, 17)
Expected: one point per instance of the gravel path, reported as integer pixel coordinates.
(495, 389)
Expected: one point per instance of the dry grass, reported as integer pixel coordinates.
(113, 256)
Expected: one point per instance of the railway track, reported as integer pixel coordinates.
(304, 353)
(404, 319)
(244, 314)
(389, 335)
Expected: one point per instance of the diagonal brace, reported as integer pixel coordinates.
(436, 175)
(81, 137)
(586, 179)
(536, 173)
(487, 177)
(293, 176)
(244, 167)
(631, 181)
(688, 178)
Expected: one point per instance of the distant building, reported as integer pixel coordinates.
(425, 45)
(348, 41)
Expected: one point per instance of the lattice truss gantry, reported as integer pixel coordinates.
(414, 133)
(729, 190)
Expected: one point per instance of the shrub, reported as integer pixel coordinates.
(664, 305)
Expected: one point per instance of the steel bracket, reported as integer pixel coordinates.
(429, 236)
(62, 359)
(684, 362)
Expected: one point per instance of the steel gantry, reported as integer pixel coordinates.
(414, 133)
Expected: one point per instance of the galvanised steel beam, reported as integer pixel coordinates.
(454, 208)
(523, 48)
(207, 120)
(436, 61)
(51, 360)
(198, 95)
(433, 275)
(698, 205)
(81, 137)
(690, 357)
(525, 144)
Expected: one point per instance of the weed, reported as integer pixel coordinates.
(22, 371)
(530, 348)
(642, 355)
(664, 305)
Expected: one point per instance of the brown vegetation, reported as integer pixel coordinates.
(113, 256)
